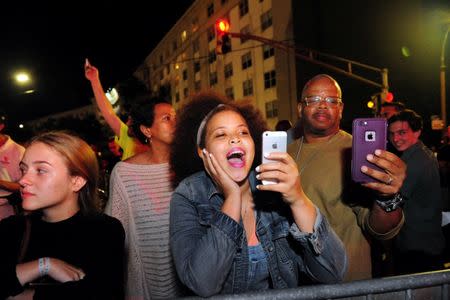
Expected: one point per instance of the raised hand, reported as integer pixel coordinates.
(90, 71)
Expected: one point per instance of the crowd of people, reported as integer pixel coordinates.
(187, 211)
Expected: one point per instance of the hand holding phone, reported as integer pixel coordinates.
(272, 141)
(369, 134)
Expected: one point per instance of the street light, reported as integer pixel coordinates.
(442, 79)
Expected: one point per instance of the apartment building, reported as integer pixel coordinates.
(185, 60)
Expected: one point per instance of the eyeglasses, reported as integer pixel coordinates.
(315, 100)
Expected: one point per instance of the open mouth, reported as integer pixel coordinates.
(236, 158)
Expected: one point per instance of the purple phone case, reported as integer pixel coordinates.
(369, 134)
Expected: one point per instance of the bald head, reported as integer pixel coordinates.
(319, 81)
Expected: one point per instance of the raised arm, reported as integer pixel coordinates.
(103, 104)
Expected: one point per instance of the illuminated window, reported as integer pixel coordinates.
(185, 74)
(183, 36)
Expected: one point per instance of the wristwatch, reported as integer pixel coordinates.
(391, 204)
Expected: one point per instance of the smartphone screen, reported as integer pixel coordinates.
(369, 134)
(273, 141)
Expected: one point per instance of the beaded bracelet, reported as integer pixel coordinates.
(44, 266)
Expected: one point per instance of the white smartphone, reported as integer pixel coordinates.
(272, 141)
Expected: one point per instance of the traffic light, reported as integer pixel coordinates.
(223, 38)
(386, 97)
(226, 43)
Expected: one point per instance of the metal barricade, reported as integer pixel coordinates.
(430, 286)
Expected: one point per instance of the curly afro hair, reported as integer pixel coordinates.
(184, 159)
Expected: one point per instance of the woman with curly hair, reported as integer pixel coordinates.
(229, 233)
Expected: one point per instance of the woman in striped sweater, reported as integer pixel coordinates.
(140, 191)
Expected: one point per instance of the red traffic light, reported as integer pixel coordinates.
(222, 26)
(389, 97)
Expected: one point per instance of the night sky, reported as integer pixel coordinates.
(51, 39)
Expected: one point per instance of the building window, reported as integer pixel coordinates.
(212, 78)
(270, 79)
(229, 92)
(212, 56)
(272, 109)
(211, 33)
(161, 75)
(266, 20)
(183, 36)
(197, 85)
(174, 46)
(177, 97)
(185, 74)
(167, 69)
(223, 2)
(196, 66)
(246, 60)
(247, 87)
(210, 9)
(268, 51)
(161, 59)
(196, 45)
(243, 8)
(228, 70)
(245, 30)
(185, 93)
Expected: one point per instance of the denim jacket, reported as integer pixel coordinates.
(210, 248)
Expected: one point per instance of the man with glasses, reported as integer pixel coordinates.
(323, 159)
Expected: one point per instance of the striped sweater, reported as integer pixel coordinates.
(140, 198)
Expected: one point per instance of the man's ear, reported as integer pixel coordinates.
(299, 109)
(77, 183)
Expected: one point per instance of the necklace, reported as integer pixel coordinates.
(310, 158)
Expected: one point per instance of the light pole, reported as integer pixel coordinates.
(442, 79)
